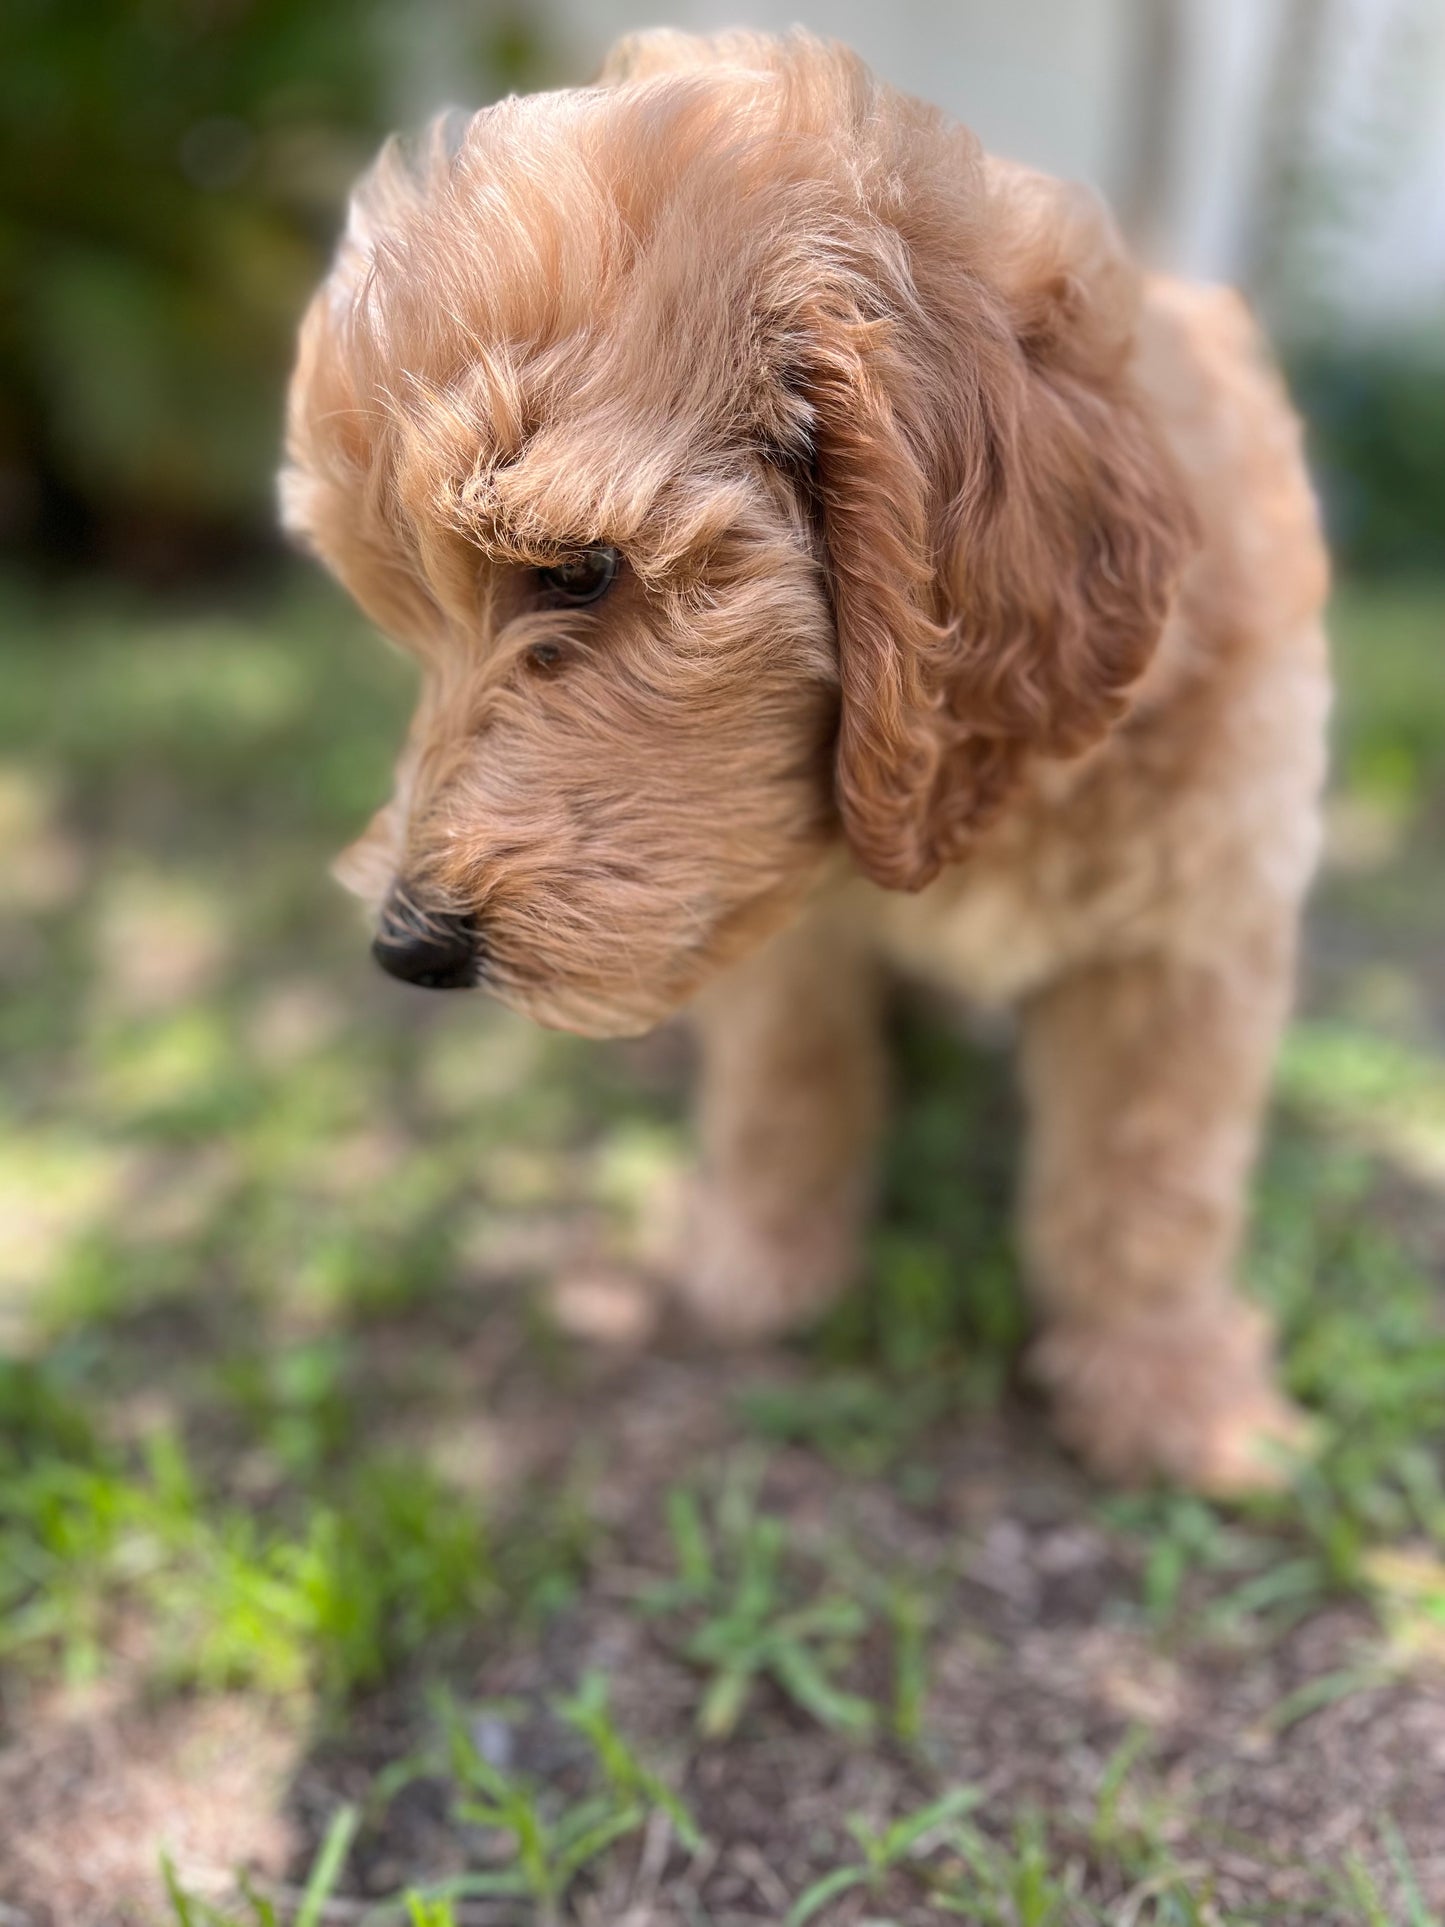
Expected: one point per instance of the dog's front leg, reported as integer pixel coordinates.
(1145, 1081)
(788, 1110)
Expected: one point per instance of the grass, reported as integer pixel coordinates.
(882, 1851)
(258, 1909)
(285, 1414)
(747, 1619)
(1023, 1881)
(547, 1840)
(354, 1586)
(534, 1843)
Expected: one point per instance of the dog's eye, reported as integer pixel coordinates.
(545, 656)
(584, 577)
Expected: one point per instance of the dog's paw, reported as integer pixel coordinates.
(1187, 1395)
(745, 1279)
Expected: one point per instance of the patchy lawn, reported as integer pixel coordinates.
(373, 1546)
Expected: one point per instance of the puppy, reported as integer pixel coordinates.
(825, 550)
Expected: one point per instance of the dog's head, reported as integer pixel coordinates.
(754, 472)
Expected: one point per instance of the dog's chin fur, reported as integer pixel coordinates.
(968, 615)
(580, 992)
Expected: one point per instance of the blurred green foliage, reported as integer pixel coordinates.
(171, 175)
(171, 172)
(1376, 414)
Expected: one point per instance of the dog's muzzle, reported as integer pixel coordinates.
(436, 949)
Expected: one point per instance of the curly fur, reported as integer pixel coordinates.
(970, 621)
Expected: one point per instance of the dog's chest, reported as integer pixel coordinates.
(1000, 925)
(986, 938)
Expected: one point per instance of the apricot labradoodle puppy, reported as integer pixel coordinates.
(823, 548)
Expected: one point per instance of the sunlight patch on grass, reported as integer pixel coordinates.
(1388, 641)
(1377, 1093)
(42, 865)
(159, 940)
(358, 1581)
(478, 1061)
(172, 1074)
(1409, 1585)
(55, 1186)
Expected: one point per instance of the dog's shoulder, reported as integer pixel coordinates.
(1206, 371)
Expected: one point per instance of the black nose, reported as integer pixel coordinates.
(436, 949)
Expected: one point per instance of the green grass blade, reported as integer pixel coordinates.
(690, 1544)
(595, 1842)
(904, 1835)
(723, 1703)
(1420, 1914)
(811, 1903)
(182, 1905)
(326, 1871)
(805, 1681)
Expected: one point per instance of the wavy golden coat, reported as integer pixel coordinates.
(968, 618)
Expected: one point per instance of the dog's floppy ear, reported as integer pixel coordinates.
(1002, 532)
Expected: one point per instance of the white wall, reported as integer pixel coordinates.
(1034, 78)
(1379, 143)
(1049, 82)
